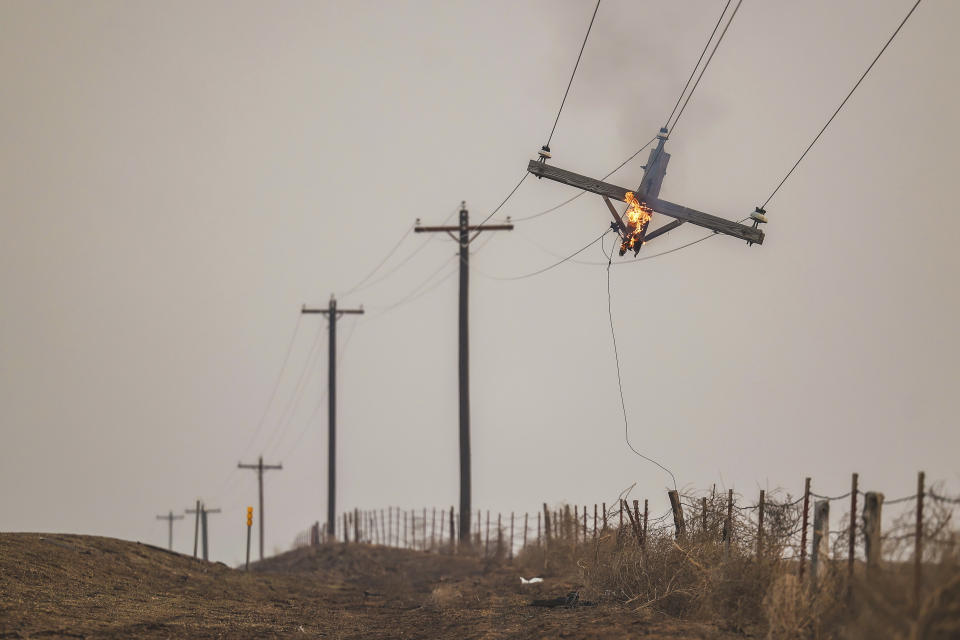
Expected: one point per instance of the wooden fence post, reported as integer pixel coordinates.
(499, 552)
(433, 527)
(604, 516)
(526, 520)
(918, 542)
(594, 520)
(704, 502)
(576, 524)
(538, 528)
(760, 507)
(872, 508)
(728, 523)
(803, 532)
(851, 553)
(821, 538)
(453, 531)
(646, 517)
(584, 523)
(356, 524)
(486, 543)
(678, 523)
(546, 525)
(510, 552)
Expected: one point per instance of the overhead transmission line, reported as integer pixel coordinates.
(672, 112)
(380, 264)
(574, 73)
(817, 137)
(276, 386)
(696, 66)
(706, 64)
(556, 120)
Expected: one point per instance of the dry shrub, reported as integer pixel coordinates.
(444, 596)
(699, 576)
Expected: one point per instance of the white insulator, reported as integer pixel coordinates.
(759, 217)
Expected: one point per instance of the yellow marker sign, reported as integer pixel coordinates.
(249, 516)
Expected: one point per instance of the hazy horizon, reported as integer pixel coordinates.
(179, 179)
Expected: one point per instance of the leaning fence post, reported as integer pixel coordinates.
(803, 532)
(678, 524)
(760, 506)
(604, 516)
(853, 524)
(821, 539)
(872, 507)
(918, 541)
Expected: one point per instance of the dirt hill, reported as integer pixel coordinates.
(67, 586)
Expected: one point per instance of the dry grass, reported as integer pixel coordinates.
(753, 586)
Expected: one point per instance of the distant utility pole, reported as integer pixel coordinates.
(464, 230)
(260, 468)
(201, 512)
(332, 313)
(170, 518)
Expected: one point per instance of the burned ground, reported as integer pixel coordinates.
(68, 586)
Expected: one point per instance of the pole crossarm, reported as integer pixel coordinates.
(681, 213)
(240, 465)
(456, 228)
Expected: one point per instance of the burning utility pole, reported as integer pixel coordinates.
(645, 201)
(333, 314)
(464, 238)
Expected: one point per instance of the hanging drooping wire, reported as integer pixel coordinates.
(616, 355)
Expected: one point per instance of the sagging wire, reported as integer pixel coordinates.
(616, 355)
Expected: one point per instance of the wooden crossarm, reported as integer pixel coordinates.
(549, 172)
(685, 214)
(707, 221)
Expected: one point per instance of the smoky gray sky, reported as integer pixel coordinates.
(177, 178)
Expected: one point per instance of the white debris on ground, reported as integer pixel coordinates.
(530, 581)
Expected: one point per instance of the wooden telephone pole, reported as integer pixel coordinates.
(332, 313)
(464, 239)
(260, 468)
(170, 518)
(202, 512)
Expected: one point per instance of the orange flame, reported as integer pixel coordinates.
(637, 215)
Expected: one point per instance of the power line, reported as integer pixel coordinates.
(568, 201)
(380, 264)
(419, 290)
(276, 384)
(555, 264)
(707, 63)
(616, 355)
(403, 262)
(804, 154)
(696, 66)
(499, 206)
(574, 73)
